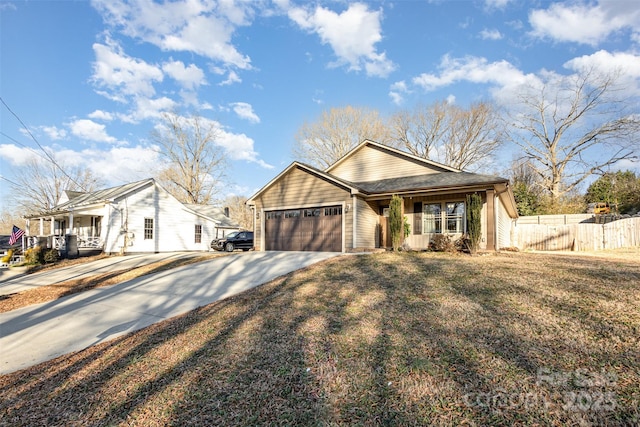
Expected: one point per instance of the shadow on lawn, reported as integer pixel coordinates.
(352, 341)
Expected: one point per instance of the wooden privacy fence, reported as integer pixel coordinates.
(623, 233)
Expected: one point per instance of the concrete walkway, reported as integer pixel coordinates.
(44, 331)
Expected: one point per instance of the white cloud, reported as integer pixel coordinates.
(16, 156)
(587, 23)
(125, 164)
(498, 4)
(351, 34)
(245, 111)
(190, 77)
(54, 133)
(202, 27)
(625, 65)
(122, 75)
(240, 147)
(101, 115)
(490, 34)
(149, 108)
(607, 62)
(504, 78)
(90, 130)
(451, 99)
(231, 79)
(397, 92)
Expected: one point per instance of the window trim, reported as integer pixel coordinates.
(197, 233)
(442, 219)
(148, 229)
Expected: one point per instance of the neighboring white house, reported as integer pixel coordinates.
(132, 218)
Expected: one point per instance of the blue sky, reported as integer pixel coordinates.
(90, 78)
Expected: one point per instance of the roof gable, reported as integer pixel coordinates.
(307, 169)
(373, 161)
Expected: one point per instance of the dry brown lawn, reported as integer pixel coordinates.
(382, 339)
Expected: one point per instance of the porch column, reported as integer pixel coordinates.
(70, 227)
(53, 227)
(28, 226)
(491, 224)
(41, 233)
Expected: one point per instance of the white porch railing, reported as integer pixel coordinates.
(90, 242)
(58, 242)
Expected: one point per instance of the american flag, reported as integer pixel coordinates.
(16, 233)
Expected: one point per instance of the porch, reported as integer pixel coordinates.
(82, 239)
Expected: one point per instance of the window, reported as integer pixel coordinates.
(333, 211)
(311, 212)
(455, 217)
(292, 214)
(431, 218)
(274, 215)
(148, 228)
(198, 233)
(451, 214)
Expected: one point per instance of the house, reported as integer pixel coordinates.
(132, 218)
(345, 207)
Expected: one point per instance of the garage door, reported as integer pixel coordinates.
(308, 229)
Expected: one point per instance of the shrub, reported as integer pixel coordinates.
(442, 243)
(474, 221)
(396, 221)
(51, 255)
(7, 258)
(34, 256)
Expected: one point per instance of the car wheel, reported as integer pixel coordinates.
(229, 247)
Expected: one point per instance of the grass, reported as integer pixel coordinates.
(52, 292)
(382, 339)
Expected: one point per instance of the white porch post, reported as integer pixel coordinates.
(53, 227)
(26, 232)
(41, 233)
(70, 227)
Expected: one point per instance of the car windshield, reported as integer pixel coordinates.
(234, 234)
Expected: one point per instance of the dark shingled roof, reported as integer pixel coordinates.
(428, 181)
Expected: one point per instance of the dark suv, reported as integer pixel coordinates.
(236, 240)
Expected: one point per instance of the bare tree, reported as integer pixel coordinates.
(443, 132)
(571, 127)
(239, 211)
(336, 132)
(194, 162)
(41, 182)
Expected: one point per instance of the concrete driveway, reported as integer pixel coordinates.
(10, 283)
(44, 331)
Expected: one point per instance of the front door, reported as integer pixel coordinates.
(385, 229)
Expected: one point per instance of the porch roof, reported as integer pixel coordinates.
(434, 181)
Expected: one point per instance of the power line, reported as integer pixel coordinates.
(49, 157)
(23, 145)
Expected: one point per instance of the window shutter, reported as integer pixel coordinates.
(417, 218)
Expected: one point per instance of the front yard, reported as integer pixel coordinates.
(382, 339)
